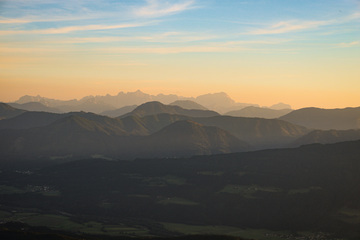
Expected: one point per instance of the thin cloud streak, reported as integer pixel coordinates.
(294, 26)
(70, 29)
(290, 26)
(159, 8)
(350, 44)
(168, 37)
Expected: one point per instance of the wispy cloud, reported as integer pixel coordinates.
(159, 8)
(69, 29)
(46, 18)
(349, 44)
(167, 37)
(167, 50)
(298, 25)
(289, 26)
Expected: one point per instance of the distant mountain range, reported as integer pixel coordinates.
(219, 102)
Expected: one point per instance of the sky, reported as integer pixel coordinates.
(301, 52)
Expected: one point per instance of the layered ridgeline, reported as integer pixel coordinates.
(82, 135)
(325, 119)
(134, 134)
(152, 129)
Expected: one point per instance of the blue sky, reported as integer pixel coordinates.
(187, 47)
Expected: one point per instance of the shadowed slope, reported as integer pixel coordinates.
(152, 108)
(325, 119)
(252, 111)
(258, 132)
(7, 111)
(186, 138)
(188, 104)
(328, 136)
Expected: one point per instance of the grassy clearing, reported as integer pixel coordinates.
(57, 222)
(4, 189)
(52, 193)
(303, 190)
(179, 201)
(164, 181)
(210, 173)
(4, 214)
(63, 223)
(349, 215)
(259, 234)
(248, 191)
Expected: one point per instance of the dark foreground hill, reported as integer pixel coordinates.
(325, 119)
(311, 192)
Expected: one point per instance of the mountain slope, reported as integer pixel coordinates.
(70, 135)
(325, 119)
(262, 133)
(7, 111)
(119, 112)
(188, 104)
(252, 111)
(328, 136)
(30, 120)
(152, 108)
(187, 138)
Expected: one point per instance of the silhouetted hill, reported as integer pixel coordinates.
(35, 106)
(187, 138)
(119, 112)
(187, 104)
(280, 106)
(75, 135)
(152, 108)
(30, 120)
(262, 133)
(325, 119)
(252, 111)
(7, 111)
(86, 134)
(40, 119)
(328, 136)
